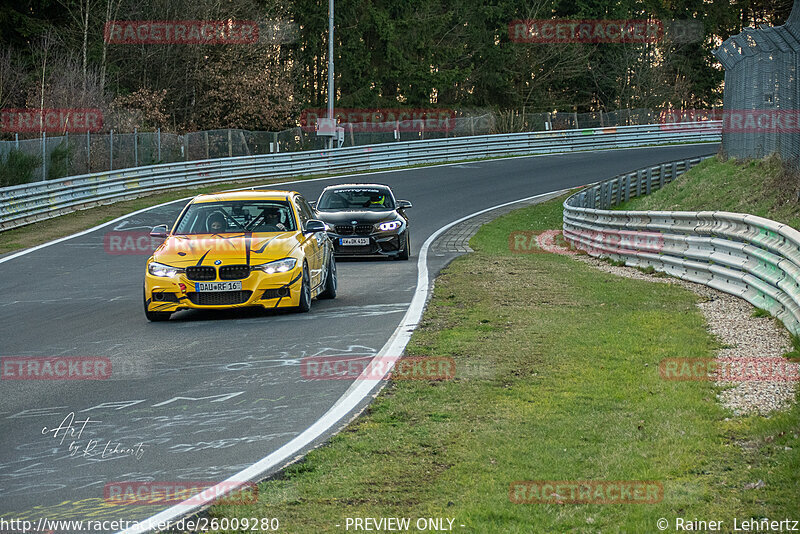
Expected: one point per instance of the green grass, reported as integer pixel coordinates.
(556, 379)
(760, 187)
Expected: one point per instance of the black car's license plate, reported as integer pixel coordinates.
(354, 241)
(217, 286)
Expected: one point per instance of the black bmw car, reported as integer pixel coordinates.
(365, 220)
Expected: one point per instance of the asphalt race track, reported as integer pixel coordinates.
(206, 395)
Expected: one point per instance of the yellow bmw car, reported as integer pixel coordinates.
(241, 248)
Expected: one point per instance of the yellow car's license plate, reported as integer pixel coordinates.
(217, 286)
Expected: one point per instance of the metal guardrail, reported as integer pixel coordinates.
(24, 204)
(751, 257)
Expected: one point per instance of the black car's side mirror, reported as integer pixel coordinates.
(403, 204)
(159, 231)
(313, 226)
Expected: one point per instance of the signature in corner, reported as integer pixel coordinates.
(73, 429)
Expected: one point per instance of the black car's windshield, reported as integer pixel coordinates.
(236, 216)
(367, 198)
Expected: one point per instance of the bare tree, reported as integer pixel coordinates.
(12, 79)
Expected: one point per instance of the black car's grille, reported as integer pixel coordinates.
(368, 249)
(234, 272)
(219, 298)
(344, 229)
(350, 229)
(199, 272)
(364, 229)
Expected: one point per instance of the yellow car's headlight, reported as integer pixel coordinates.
(159, 269)
(278, 266)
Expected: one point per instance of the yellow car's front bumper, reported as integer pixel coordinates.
(175, 293)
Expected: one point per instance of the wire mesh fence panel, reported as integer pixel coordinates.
(762, 93)
(77, 154)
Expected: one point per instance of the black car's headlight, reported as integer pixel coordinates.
(278, 266)
(159, 269)
(389, 226)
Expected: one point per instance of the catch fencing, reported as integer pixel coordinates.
(24, 204)
(79, 153)
(761, 68)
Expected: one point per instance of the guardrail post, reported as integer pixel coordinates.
(111, 149)
(88, 151)
(627, 187)
(661, 172)
(159, 144)
(135, 147)
(649, 179)
(16, 140)
(205, 138)
(230, 145)
(639, 183)
(575, 115)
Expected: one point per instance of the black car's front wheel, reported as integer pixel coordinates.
(154, 317)
(329, 291)
(406, 250)
(305, 292)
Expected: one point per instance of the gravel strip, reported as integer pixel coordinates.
(731, 320)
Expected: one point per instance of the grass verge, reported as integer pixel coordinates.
(556, 379)
(768, 188)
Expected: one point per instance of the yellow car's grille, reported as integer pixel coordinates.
(219, 298)
(234, 272)
(199, 272)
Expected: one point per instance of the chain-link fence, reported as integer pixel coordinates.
(762, 93)
(76, 154)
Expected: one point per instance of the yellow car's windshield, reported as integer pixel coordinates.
(236, 216)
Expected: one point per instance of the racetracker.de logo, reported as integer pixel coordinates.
(130, 243)
(736, 120)
(174, 492)
(139, 242)
(383, 120)
(55, 368)
(729, 369)
(188, 32)
(554, 31)
(368, 368)
(51, 120)
(606, 241)
(586, 492)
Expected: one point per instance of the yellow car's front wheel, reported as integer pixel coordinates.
(305, 292)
